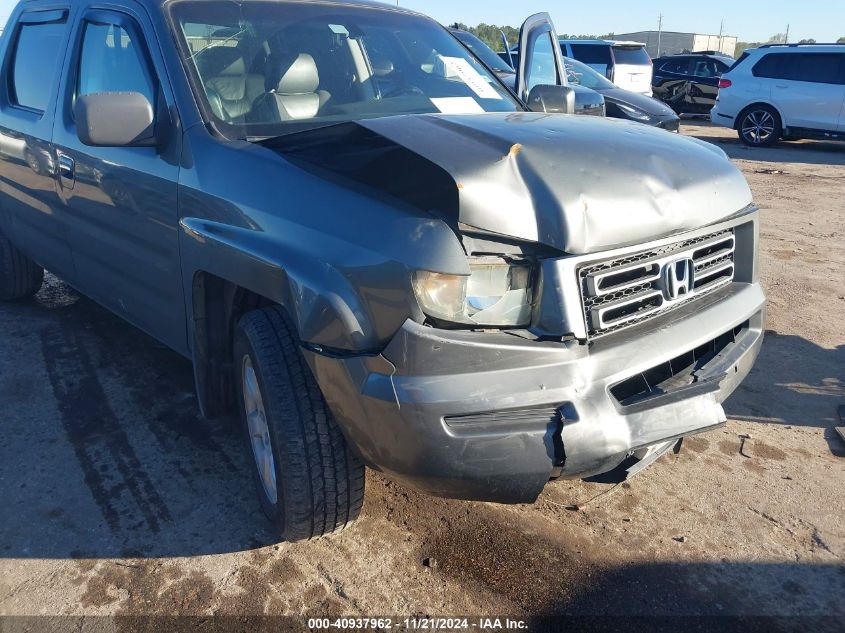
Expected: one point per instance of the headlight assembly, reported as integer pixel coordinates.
(634, 113)
(496, 293)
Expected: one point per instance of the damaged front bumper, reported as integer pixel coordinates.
(493, 417)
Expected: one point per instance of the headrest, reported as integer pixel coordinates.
(219, 61)
(298, 75)
(382, 66)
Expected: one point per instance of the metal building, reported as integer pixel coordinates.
(672, 42)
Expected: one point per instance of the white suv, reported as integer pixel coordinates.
(626, 64)
(784, 91)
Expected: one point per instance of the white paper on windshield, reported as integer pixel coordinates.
(457, 105)
(461, 68)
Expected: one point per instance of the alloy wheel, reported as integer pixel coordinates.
(758, 126)
(259, 432)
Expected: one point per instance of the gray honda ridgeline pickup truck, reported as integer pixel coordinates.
(373, 250)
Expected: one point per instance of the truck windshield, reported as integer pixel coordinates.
(264, 69)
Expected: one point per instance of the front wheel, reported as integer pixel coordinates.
(309, 481)
(759, 126)
(20, 277)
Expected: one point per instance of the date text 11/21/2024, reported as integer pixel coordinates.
(418, 624)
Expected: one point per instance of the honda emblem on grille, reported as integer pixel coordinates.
(677, 278)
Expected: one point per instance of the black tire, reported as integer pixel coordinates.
(759, 126)
(20, 277)
(319, 481)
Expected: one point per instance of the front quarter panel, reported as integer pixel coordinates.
(338, 260)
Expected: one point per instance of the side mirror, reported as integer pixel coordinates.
(115, 119)
(552, 99)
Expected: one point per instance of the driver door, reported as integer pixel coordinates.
(540, 59)
(121, 202)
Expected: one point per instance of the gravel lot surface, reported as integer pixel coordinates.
(118, 499)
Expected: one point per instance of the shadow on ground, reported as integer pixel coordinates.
(814, 377)
(690, 597)
(103, 453)
(808, 152)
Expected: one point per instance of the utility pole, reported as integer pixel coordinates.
(786, 37)
(721, 30)
(659, 32)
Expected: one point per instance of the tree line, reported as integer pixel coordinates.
(490, 34)
(777, 38)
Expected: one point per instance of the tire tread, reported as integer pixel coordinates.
(326, 490)
(20, 277)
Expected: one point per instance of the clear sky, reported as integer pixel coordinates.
(750, 20)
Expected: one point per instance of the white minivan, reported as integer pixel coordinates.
(784, 91)
(626, 64)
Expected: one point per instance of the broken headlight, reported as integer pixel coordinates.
(496, 293)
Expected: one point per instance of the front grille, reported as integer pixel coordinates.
(625, 291)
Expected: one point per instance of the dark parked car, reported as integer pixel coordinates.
(371, 251)
(587, 101)
(620, 103)
(689, 83)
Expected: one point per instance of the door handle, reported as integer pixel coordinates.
(781, 86)
(67, 171)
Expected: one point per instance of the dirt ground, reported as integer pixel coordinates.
(118, 499)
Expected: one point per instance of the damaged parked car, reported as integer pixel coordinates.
(371, 251)
(621, 103)
(587, 101)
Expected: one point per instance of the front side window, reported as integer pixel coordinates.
(542, 70)
(821, 67)
(38, 47)
(705, 68)
(810, 67)
(113, 60)
(264, 69)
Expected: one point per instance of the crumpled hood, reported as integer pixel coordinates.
(578, 184)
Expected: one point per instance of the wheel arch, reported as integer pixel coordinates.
(229, 271)
(217, 305)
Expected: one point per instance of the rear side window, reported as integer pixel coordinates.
(631, 56)
(810, 67)
(113, 61)
(741, 59)
(37, 51)
(678, 66)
